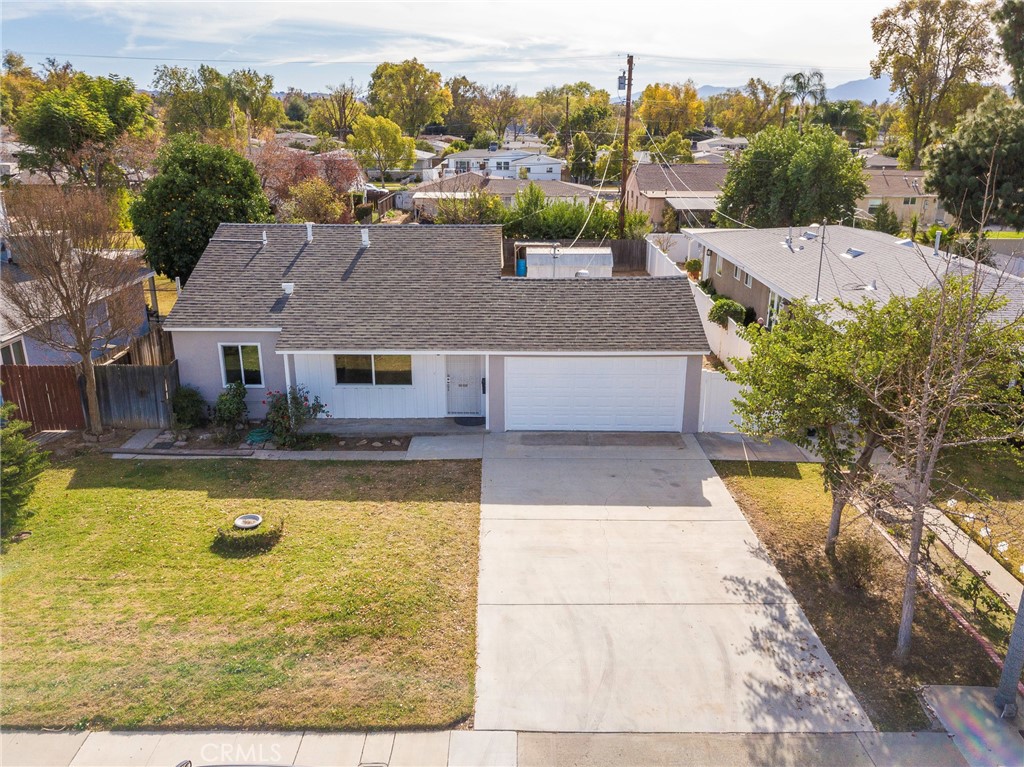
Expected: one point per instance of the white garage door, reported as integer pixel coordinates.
(594, 393)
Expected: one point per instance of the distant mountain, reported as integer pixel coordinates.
(866, 90)
(713, 90)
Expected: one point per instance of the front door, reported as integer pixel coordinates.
(465, 384)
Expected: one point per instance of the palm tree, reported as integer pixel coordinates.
(802, 86)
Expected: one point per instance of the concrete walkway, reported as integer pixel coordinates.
(969, 716)
(622, 590)
(740, 447)
(976, 558)
(474, 748)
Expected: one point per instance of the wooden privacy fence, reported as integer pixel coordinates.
(136, 396)
(384, 204)
(627, 255)
(48, 396)
(154, 348)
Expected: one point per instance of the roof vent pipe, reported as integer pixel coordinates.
(288, 288)
(264, 238)
(366, 236)
(309, 231)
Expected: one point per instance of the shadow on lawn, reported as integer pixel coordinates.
(364, 482)
(769, 469)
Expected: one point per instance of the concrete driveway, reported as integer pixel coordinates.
(622, 590)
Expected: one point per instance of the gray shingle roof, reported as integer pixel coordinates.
(422, 288)
(896, 183)
(893, 268)
(503, 187)
(680, 178)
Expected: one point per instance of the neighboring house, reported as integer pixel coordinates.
(904, 192)
(502, 163)
(19, 346)
(873, 160)
(709, 158)
(423, 166)
(417, 322)
(765, 269)
(721, 144)
(423, 199)
(689, 189)
(290, 138)
(527, 142)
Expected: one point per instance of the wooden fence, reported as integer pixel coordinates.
(154, 348)
(48, 396)
(136, 396)
(627, 255)
(385, 204)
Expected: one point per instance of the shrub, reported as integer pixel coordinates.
(364, 212)
(230, 540)
(750, 315)
(708, 287)
(22, 464)
(693, 266)
(858, 560)
(725, 309)
(189, 407)
(288, 413)
(230, 409)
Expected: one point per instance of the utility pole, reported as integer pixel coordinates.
(625, 146)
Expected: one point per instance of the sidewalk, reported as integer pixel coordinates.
(475, 748)
(976, 558)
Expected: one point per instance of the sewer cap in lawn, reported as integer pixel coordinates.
(248, 521)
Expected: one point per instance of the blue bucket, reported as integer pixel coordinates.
(520, 267)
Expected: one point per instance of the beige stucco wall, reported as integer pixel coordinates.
(756, 295)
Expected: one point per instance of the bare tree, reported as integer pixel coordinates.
(72, 285)
(943, 370)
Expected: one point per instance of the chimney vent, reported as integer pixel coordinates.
(366, 236)
(264, 238)
(288, 288)
(309, 231)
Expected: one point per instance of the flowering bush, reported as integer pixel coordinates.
(288, 413)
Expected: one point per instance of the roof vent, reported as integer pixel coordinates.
(264, 238)
(809, 236)
(582, 274)
(288, 288)
(309, 231)
(366, 236)
(852, 253)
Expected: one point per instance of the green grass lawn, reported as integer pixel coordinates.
(995, 475)
(166, 295)
(116, 613)
(788, 508)
(1004, 235)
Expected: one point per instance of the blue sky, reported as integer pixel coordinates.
(311, 45)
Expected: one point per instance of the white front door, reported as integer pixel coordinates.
(465, 384)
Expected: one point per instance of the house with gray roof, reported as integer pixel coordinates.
(423, 199)
(504, 163)
(691, 190)
(420, 322)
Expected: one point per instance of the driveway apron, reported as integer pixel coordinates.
(622, 590)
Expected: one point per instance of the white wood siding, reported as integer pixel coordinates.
(424, 399)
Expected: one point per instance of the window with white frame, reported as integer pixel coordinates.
(719, 264)
(501, 164)
(748, 281)
(241, 363)
(13, 353)
(373, 369)
(461, 166)
(736, 271)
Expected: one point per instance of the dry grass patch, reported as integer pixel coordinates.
(789, 509)
(117, 613)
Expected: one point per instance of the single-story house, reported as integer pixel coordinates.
(722, 144)
(502, 163)
(874, 160)
(904, 192)
(20, 346)
(422, 166)
(690, 189)
(418, 322)
(423, 198)
(765, 269)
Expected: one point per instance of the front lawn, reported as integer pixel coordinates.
(788, 508)
(117, 614)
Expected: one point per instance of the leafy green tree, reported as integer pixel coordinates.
(747, 111)
(582, 159)
(482, 139)
(252, 93)
(1010, 28)
(803, 87)
(74, 129)
(608, 165)
(496, 108)
(929, 48)
(315, 200)
(377, 142)
(886, 220)
(19, 84)
(197, 187)
(675, 148)
(669, 107)
(296, 106)
(979, 170)
(409, 94)
(337, 112)
(795, 384)
(194, 101)
(23, 463)
(460, 120)
(787, 179)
